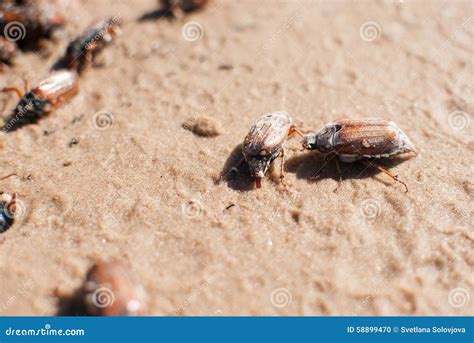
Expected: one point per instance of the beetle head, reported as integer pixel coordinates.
(323, 140)
(310, 141)
(258, 167)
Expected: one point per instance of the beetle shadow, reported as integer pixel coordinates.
(314, 166)
(157, 14)
(72, 305)
(239, 179)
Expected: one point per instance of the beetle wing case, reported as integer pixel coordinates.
(267, 135)
(370, 138)
(58, 88)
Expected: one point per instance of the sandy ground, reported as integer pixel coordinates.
(147, 191)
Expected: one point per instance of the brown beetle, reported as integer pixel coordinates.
(81, 52)
(7, 210)
(4, 4)
(29, 23)
(353, 140)
(265, 142)
(112, 289)
(50, 93)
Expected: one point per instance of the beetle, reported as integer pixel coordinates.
(112, 289)
(29, 23)
(265, 142)
(184, 5)
(7, 210)
(4, 4)
(50, 93)
(80, 52)
(367, 139)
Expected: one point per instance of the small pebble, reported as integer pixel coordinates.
(203, 126)
(225, 67)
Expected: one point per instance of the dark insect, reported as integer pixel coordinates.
(7, 50)
(28, 24)
(112, 289)
(265, 142)
(353, 140)
(81, 52)
(34, 104)
(7, 211)
(171, 6)
(4, 4)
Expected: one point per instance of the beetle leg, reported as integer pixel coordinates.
(12, 205)
(282, 165)
(27, 86)
(238, 165)
(13, 89)
(327, 159)
(338, 167)
(115, 30)
(293, 129)
(88, 59)
(386, 172)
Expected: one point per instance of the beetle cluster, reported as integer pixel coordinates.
(62, 84)
(349, 140)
